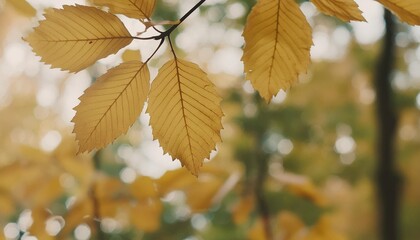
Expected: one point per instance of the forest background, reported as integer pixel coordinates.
(307, 161)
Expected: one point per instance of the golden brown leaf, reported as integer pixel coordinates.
(75, 37)
(243, 208)
(111, 105)
(38, 227)
(407, 10)
(346, 10)
(143, 188)
(23, 7)
(185, 113)
(140, 9)
(131, 55)
(277, 43)
(146, 216)
(7, 205)
(200, 195)
(290, 224)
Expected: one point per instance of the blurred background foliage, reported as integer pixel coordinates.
(305, 163)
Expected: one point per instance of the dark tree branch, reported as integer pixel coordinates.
(388, 178)
(166, 33)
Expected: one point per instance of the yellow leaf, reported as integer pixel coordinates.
(324, 230)
(185, 113)
(256, 232)
(140, 9)
(277, 43)
(44, 192)
(80, 212)
(111, 105)
(75, 37)
(407, 10)
(113, 208)
(38, 227)
(107, 188)
(143, 188)
(7, 205)
(131, 55)
(175, 180)
(243, 208)
(146, 216)
(309, 191)
(290, 224)
(346, 10)
(23, 7)
(200, 195)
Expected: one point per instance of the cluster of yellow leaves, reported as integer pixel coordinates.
(278, 38)
(183, 104)
(38, 180)
(291, 227)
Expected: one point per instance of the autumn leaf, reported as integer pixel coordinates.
(185, 113)
(131, 55)
(111, 105)
(23, 7)
(277, 44)
(39, 226)
(345, 10)
(407, 10)
(140, 9)
(75, 37)
(243, 208)
(290, 224)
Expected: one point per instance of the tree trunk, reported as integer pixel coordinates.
(388, 178)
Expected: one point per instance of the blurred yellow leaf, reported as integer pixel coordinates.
(7, 205)
(111, 105)
(75, 37)
(33, 154)
(346, 10)
(407, 10)
(111, 208)
(309, 191)
(175, 180)
(289, 225)
(131, 55)
(23, 7)
(323, 231)
(256, 232)
(243, 208)
(80, 212)
(143, 188)
(42, 192)
(107, 188)
(200, 195)
(185, 113)
(146, 216)
(140, 9)
(301, 186)
(38, 227)
(277, 43)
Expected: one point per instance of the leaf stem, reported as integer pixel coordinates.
(172, 47)
(166, 33)
(158, 47)
(186, 15)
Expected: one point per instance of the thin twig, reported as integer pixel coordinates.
(166, 33)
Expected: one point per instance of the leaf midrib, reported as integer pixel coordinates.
(85, 39)
(113, 102)
(183, 111)
(275, 45)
